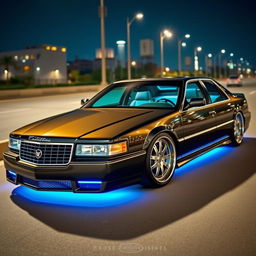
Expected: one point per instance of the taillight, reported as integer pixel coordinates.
(238, 79)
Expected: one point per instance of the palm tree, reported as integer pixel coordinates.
(7, 62)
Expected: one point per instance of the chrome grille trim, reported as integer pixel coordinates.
(50, 158)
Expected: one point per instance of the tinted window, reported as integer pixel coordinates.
(193, 90)
(214, 92)
(112, 97)
(234, 77)
(140, 95)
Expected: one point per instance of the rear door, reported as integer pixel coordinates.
(222, 109)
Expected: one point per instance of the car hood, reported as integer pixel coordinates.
(85, 122)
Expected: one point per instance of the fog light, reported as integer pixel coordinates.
(89, 185)
(11, 175)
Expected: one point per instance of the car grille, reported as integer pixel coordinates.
(47, 184)
(45, 153)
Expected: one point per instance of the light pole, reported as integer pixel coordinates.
(196, 62)
(220, 64)
(163, 34)
(181, 44)
(103, 47)
(129, 22)
(207, 58)
(121, 55)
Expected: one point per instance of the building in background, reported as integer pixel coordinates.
(110, 59)
(44, 64)
(83, 66)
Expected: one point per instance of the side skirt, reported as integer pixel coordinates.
(183, 159)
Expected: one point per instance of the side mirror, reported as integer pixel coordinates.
(84, 101)
(195, 102)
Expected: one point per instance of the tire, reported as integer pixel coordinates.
(237, 133)
(159, 166)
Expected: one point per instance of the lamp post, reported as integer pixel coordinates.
(120, 62)
(220, 64)
(207, 57)
(103, 47)
(181, 44)
(163, 34)
(196, 63)
(129, 22)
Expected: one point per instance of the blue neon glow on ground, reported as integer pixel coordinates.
(89, 182)
(203, 160)
(116, 197)
(107, 199)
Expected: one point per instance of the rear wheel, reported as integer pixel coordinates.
(160, 161)
(237, 133)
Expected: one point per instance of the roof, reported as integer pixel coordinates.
(180, 78)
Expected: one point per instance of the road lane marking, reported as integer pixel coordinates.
(14, 110)
(252, 92)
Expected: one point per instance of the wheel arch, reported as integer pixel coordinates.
(155, 132)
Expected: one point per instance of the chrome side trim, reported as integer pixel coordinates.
(223, 124)
(133, 155)
(47, 143)
(205, 131)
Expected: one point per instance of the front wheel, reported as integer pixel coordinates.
(237, 132)
(160, 161)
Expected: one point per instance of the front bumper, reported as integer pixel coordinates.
(112, 173)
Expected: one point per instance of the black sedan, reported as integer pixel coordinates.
(132, 131)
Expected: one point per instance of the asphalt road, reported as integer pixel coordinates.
(208, 209)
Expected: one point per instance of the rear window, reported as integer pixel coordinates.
(234, 77)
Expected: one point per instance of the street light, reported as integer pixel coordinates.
(196, 63)
(133, 63)
(207, 57)
(121, 56)
(183, 44)
(220, 64)
(163, 34)
(129, 22)
(103, 44)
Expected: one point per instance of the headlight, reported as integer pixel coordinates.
(101, 150)
(14, 143)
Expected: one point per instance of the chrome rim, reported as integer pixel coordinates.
(162, 159)
(239, 128)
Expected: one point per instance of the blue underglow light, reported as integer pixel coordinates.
(98, 200)
(12, 173)
(203, 160)
(89, 182)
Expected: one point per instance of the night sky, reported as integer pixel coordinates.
(75, 24)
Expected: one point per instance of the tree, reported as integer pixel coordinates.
(7, 62)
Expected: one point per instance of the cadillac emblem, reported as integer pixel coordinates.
(38, 153)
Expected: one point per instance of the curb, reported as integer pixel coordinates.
(3, 147)
(27, 93)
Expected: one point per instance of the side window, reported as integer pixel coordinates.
(193, 90)
(215, 93)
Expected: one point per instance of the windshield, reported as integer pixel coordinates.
(139, 96)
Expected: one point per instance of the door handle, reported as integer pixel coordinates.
(212, 113)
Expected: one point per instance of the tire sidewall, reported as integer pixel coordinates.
(148, 171)
(235, 143)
